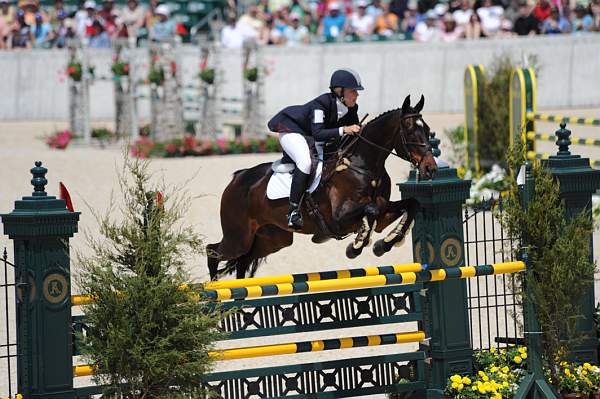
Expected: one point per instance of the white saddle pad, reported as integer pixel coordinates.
(280, 183)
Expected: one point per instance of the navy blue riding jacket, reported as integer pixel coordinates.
(317, 118)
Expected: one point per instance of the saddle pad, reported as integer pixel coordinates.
(280, 184)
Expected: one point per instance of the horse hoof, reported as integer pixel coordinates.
(380, 248)
(352, 252)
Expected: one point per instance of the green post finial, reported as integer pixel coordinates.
(39, 179)
(563, 141)
(435, 142)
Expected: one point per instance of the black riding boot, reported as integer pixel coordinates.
(299, 182)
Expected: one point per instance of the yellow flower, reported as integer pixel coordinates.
(567, 371)
(505, 369)
(587, 366)
(518, 359)
(460, 387)
(504, 384)
(497, 396)
(474, 388)
(485, 378)
(19, 396)
(455, 385)
(523, 349)
(456, 378)
(494, 369)
(466, 380)
(481, 389)
(523, 355)
(481, 373)
(492, 350)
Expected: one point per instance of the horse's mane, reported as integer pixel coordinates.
(381, 116)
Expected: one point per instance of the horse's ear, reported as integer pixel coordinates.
(406, 105)
(420, 104)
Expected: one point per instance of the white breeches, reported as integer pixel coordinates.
(296, 147)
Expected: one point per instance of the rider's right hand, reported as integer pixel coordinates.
(352, 129)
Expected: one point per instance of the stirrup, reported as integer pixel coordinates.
(295, 219)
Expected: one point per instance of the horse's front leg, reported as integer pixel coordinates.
(406, 210)
(363, 236)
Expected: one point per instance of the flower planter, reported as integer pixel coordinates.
(595, 395)
(571, 395)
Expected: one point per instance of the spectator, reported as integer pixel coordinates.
(428, 31)
(231, 37)
(409, 22)
(108, 16)
(400, 7)
(595, 11)
(311, 24)
(22, 36)
(61, 30)
(7, 21)
(86, 18)
(505, 29)
(41, 33)
(333, 26)
(490, 17)
(387, 23)
(263, 7)
(31, 8)
(164, 28)
(150, 16)
(555, 23)
(298, 7)
(279, 4)
(281, 20)
(249, 24)
(582, 21)
(132, 19)
(542, 10)
(451, 31)
(361, 24)
(375, 9)
(473, 28)
(526, 24)
(512, 11)
(462, 16)
(296, 34)
(98, 36)
(269, 34)
(59, 7)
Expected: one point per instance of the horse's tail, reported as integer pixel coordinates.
(244, 266)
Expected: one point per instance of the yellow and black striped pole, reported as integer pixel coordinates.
(317, 276)
(363, 282)
(474, 75)
(576, 120)
(296, 347)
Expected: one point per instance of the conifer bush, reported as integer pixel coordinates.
(147, 333)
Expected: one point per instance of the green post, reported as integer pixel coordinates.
(40, 227)
(473, 79)
(438, 241)
(578, 181)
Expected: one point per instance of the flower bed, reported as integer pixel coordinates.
(189, 145)
(498, 374)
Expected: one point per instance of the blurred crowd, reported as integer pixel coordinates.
(27, 25)
(294, 22)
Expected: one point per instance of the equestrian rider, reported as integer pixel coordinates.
(327, 117)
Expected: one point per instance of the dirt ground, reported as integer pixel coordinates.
(90, 175)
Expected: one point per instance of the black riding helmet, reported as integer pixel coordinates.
(346, 78)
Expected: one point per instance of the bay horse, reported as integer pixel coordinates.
(353, 197)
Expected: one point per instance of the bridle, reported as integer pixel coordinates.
(406, 155)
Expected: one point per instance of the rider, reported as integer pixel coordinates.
(327, 117)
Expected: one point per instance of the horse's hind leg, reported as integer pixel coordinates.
(406, 210)
(213, 258)
(268, 240)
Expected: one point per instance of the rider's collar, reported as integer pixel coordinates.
(342, 110)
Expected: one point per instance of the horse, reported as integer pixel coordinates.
(352, 197)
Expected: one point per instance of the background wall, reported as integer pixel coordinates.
(33, 84)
